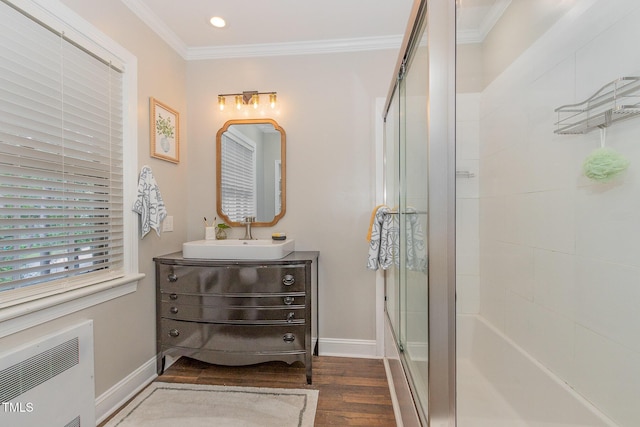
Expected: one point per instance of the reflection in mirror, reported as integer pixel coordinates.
(251, 162)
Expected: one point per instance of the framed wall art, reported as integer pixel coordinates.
(165, 131)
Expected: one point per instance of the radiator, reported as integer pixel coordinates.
(50, 382)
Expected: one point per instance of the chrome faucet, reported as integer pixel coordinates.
(248, 220)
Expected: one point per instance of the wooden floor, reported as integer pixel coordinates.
(352, 392)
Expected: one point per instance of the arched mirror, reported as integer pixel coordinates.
(251, 166)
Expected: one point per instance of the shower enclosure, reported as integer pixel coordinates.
(547, 288)
(418, 180)
(548, 261)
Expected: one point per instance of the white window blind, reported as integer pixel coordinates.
(61, 174)
(238, 184)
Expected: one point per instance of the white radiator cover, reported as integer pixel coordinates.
(50, 381)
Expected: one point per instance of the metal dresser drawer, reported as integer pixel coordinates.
(284, 300)
(233, 338)
(233, 310)
(232, 279)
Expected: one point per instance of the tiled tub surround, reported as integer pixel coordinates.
(500, 385)
(559, 255)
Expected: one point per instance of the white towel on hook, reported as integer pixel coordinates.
(383, 242)
(149, 204)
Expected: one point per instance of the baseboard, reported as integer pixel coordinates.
(367, 349)
(112, 399)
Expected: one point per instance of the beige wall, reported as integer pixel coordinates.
(125, 327)
(327, 110)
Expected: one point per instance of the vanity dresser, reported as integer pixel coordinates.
(238, 312)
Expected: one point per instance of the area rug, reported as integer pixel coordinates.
(194, 405)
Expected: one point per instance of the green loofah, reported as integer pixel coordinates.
(604, 164)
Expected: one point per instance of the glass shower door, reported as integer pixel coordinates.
(420, 152)
(413, 217)
(391, 199)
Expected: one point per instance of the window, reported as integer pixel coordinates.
(61, 160)
(238, 184)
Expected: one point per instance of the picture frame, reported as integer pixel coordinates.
(164, 129)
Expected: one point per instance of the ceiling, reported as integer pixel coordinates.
(283, 27)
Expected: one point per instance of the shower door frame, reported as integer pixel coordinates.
(440, 16)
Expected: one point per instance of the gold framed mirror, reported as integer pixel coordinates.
(250, 172)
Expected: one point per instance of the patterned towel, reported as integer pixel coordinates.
(383, 240)
(416, 250)
(149, 204)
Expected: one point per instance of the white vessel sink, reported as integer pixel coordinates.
(237, 249)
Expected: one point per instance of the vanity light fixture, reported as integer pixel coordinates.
(249, 97)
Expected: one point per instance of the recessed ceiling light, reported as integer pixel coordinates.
(217, 22)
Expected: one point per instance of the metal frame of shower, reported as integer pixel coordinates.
(439, 16)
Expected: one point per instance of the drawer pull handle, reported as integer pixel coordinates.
(290, 316)
(288, 337)
(288, 300)
(288, 280)
(174, 333)
(172, 277)
(174, 310)
(173, 296)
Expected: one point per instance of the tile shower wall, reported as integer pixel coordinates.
(559, 254)
(467, 192)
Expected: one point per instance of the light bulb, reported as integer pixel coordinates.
(217, 22)
(254, 101)
(272, 100)
(238, 101)
(221, 102)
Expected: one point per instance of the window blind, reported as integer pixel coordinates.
(61, 174)
(238, 184)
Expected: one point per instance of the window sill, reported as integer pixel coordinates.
(28, 314)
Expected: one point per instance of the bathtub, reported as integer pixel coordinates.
(499, 385)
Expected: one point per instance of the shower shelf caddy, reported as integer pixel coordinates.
(616, 101)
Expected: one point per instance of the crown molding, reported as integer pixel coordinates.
(255, 50)
(294, 48)
(157, 25)
(491, 19)
(493, 16)
(468, 36)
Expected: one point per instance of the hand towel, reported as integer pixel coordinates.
(383, 243)
(372, 220)
(416, 249)
(149, 204)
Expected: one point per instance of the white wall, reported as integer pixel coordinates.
(559, 254)
(326, 107)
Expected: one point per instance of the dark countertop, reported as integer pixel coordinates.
(295, 256)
